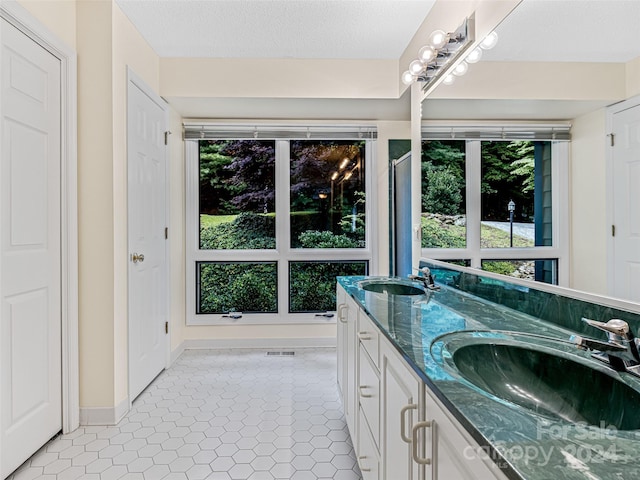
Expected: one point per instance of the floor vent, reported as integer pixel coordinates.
(280, 354)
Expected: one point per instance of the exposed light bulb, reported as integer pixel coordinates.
(344, 163)
(489, 41)
(449, 79)
(408, 78)
(416, 67)
(334, 176)
(438, 39)
(461, 68)
(426, 54)
(474, 56)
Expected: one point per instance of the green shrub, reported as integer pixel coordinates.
(435, 234)
(315, 239)
(247, 231)
(501, 267)
(313, 284)
(442, 190)
(241, 287)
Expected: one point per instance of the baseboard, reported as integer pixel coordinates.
(104, 415)
(175, 353)
(220, 343)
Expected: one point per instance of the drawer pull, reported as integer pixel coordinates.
(341, 308)
(362, 469)
(403, 423)
(364, 336)
(414, 440)
(362, 394)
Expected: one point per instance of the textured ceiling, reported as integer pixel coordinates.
(376, 29)
(537, 30)
(570, 31)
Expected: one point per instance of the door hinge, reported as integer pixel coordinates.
(166, 137)
(166, 327)
(612, 138)
(613, 230)
(166, 233)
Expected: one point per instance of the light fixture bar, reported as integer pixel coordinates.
(451, 55)
(443, 56)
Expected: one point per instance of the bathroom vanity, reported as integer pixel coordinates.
(480, 380)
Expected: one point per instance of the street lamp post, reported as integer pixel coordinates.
(511, 206)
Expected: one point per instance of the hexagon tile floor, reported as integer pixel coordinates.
(223, 415)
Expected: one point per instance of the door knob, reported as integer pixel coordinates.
(137, 257)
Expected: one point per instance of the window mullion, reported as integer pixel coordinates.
(473, 170)
(283, 227)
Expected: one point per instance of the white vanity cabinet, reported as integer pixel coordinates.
(402, 399)
(399, 429)
(450, 452)
(347, 349)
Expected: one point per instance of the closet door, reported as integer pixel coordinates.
(30, 285)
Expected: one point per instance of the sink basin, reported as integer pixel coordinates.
(551, 382)
(391, 287)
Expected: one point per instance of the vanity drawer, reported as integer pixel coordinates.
(368, 458)
(369, 393)
(368, 334)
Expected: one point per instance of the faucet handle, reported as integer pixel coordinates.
(614, 326)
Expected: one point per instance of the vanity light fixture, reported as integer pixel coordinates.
(447, 56)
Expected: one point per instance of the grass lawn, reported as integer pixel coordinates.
(212, 220)
(491, 237)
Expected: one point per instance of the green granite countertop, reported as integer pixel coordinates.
(524, 444)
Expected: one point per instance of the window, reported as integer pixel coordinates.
(443, 197)
(501, 204)
(272, 221)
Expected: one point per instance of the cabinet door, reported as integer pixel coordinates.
(451, 450)
(351, 366)
(367, 455)
(341, 337)
(402, 400)
(347, 347)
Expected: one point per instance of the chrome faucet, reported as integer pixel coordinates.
(621, 349)
(426, 278)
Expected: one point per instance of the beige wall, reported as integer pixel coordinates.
(95, 205)
(279, 78)
(129, 50)
(588, 203)
(58, 15)
(633, 78)
(177, 230)
(106, 43)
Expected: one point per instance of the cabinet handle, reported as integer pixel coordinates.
(341, 307)
(362, 394)
(403, 424)
(364, 336)
(362, 469)
(414, 440)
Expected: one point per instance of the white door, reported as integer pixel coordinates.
(626, 203)
(147, 243)
(30, 285)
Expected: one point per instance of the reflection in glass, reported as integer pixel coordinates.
(246, 287)
(539, 270)
(516, 194)
(312, 285)
(237, 194)
(443, 194)
(327, 194)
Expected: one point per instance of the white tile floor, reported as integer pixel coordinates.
(223, 415)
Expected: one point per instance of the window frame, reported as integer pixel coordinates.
(560, 214)
(283, 253)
